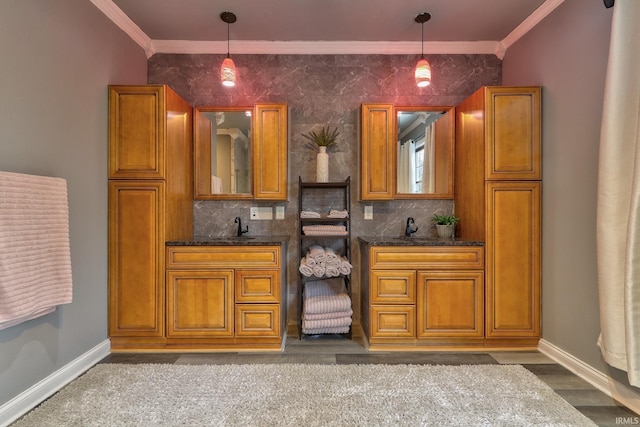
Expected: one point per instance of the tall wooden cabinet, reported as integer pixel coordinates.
(498, 197)
(376, 152)
(150, 202)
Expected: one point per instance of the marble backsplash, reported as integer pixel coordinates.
(321, 90)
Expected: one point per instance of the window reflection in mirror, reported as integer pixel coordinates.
(223, 152)
(424, 152)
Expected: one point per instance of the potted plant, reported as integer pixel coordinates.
(445, 224)
(322, 139)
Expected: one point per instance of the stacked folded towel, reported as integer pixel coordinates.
(326, 307)
(324, 230)
(324, 262)
(309, 214)
(333, 213)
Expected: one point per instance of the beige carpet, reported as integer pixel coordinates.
(305, 395)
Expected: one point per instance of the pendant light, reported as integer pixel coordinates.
(228, 72)
(423, 69)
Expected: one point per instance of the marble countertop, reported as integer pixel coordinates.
(231, 241)
(417, 241)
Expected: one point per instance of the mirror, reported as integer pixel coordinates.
(223, 149)
(424, 152)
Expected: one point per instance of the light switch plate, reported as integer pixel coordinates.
(279, 212)
(368, 212)
(261, 213)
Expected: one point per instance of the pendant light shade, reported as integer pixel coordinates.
(228, 72)
(423, 73)
(423, 69)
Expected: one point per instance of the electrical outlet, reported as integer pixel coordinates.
(368, 212)
(261, 213)
(279, 212)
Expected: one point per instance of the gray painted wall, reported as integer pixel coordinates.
(567, 54)
(57, 59)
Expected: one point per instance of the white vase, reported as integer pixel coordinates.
(322, 165)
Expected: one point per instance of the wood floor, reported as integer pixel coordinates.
(327, 349)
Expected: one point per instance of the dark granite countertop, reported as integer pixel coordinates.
(231, 241)
(417, 241)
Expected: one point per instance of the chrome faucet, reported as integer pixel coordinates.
(410, 229)
(240, 230)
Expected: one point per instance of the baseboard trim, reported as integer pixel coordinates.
(603, 382)
(38, 393)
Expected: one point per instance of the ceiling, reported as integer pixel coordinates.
(326, 26)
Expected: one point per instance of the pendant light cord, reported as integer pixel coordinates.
(228, 56)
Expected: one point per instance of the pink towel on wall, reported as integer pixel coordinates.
(35, 256)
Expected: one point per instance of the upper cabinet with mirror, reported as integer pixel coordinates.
(406, 152)
(241, 152)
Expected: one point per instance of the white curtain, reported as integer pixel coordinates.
(618, 206)
(429, 164)
(405, 172)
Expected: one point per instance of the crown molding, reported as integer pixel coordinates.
(239, 47)
(532, 20)
(118, 17)
(152, 47)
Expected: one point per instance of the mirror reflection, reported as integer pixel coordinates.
(424, 152)
(223, 147)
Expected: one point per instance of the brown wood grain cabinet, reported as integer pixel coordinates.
(150, 201)
(423, 295)
(270, 152)
(498, 199)
(225, 296)
(377, 153)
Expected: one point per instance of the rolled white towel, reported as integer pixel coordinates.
(305, 270)
(345, 266)
(330, 255)
(317, 252)
(308, 261)
(318, 270)
(332, 271)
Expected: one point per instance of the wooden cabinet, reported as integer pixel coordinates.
(270, 152)
(498, 200)
(225, 296)
(150, 188)
(423, 295)
(406, 152)
(247, 156)
(376, 151)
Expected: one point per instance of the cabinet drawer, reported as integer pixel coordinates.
(257, 320)
(427, 257)
(393, 287)
(393, 321)
(203, 257)
(258, 286)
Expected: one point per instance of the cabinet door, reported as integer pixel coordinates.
(137, 126)
(377, 152)
(450, 304)
(136, 258)
(513, 148)
(393, 321)
(258, 286)
(258, 320)
(270, 152)
(393, 287)
(513, 259)
(200, 303)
